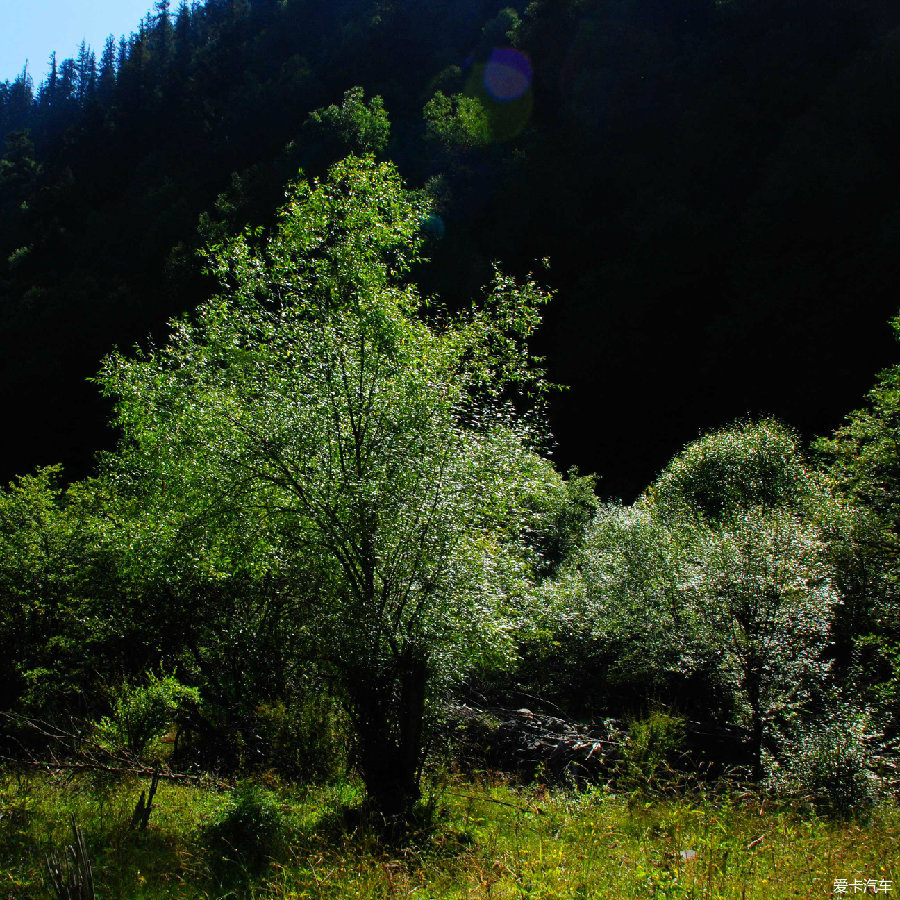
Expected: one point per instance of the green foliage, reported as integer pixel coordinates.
(305, 736)
(310, 432)
(459, 123)
(19, 170)
(651, 748)
(863, 452)
(565, 514)
(762, 600)
(142, 713)
(361, 127)
(879, 660)
(864, 464)
(830, 763)
(52, 576)
(716, 587)
(755, 583)
(631, 570)
(248, 830)
(726, 472)
(502, 29)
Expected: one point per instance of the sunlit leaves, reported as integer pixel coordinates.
(310, 425)
(721, 570)
(361, 127)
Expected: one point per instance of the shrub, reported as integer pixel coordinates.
(143, 713)
(830, 764)
(305, 737)
(649, 750)
(248, 830)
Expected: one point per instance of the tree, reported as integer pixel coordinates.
(313, 425)
(758, 588)
(726, 472)
(162, 36)
(501, 30)
(459, 124)
(106, 78)
(87, 74)
(761, 600)
(864, 463)
(18, 98)
(864, 455)
(29, 580)
(360, 127)
(53, 587)
(68, 82)
(48, 88)
(721, 574)
(19, 171)
(631, 568)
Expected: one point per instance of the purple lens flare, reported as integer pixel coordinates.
(507, 75)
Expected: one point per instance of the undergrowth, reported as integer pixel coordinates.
(474, 838)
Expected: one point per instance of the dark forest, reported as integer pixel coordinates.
(714, 184)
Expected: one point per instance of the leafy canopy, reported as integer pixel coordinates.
(720, 576)
(361, 127)
(313, 426)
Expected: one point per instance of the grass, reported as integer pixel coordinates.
(480, 839)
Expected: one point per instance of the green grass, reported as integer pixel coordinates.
(483, 839)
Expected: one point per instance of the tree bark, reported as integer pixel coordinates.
(389, 713)
(753, 688)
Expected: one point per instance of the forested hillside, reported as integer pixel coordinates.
(714, 184)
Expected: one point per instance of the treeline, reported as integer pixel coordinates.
(714, 184)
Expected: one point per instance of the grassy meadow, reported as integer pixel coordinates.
(478, 838)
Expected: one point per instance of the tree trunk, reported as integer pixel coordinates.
(753, 687)
(389, 714)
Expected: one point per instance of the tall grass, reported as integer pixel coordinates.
(477, 839)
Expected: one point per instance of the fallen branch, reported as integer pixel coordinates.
(139, 770)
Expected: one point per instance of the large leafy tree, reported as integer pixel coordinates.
(721, 575)
(317, 428)
(761, 598)
(758, 588)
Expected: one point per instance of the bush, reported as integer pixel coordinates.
(651, 747)
(141, 714)
(248, 830)
(305, 738)
(830, 764)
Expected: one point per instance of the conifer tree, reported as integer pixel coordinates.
(49, 87)
(106, 79)
(87, 74)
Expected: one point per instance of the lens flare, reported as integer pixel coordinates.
(507, 75)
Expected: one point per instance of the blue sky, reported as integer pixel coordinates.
(33, 29)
